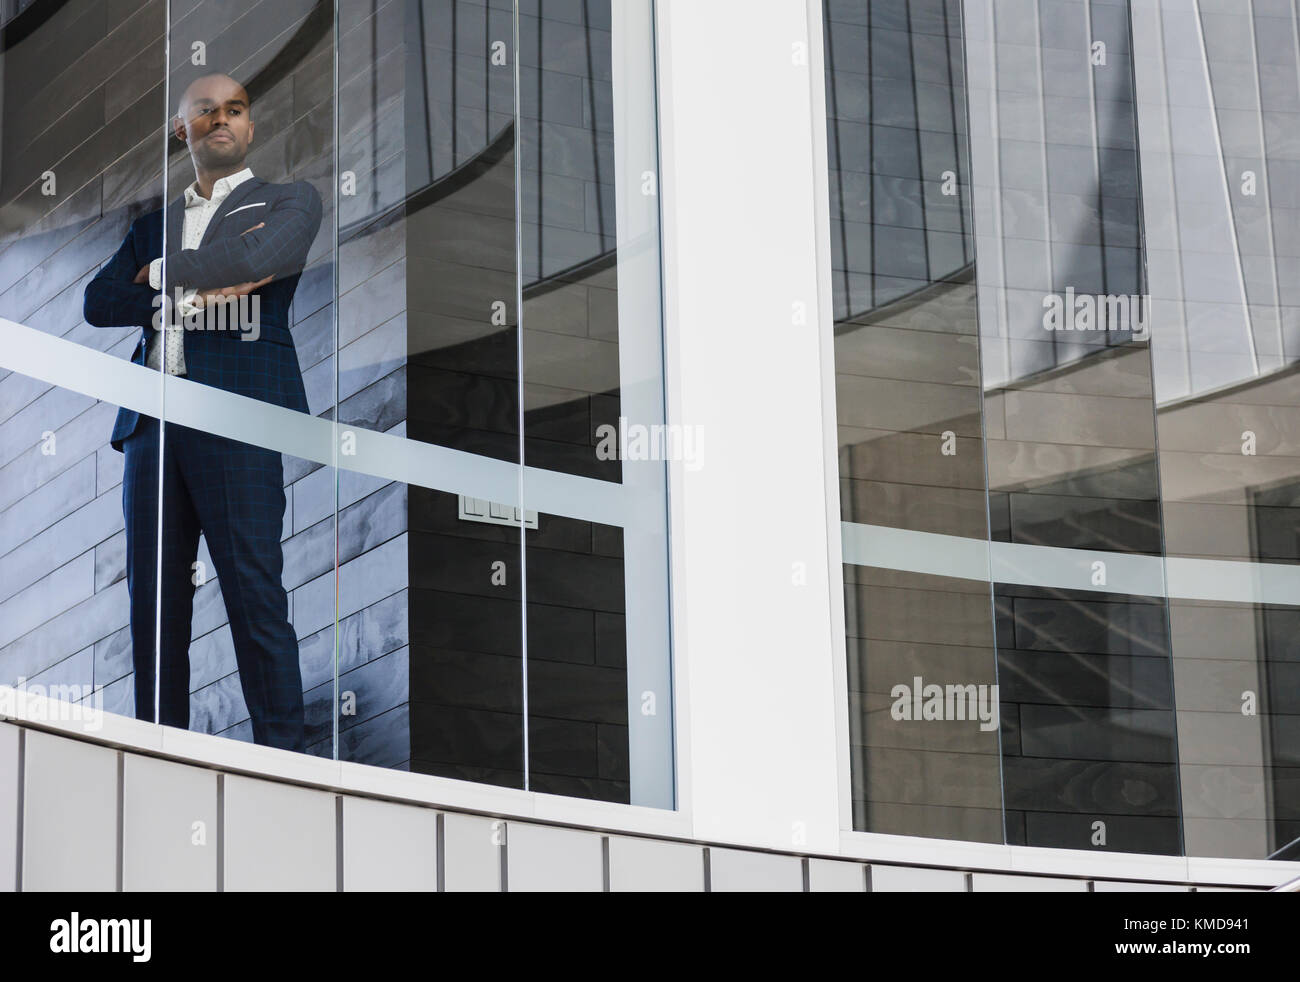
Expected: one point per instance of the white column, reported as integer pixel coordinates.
(754, 645)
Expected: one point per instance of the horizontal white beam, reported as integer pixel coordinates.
(1123, 573)
(101, 376)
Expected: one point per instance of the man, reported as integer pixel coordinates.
(231, 239)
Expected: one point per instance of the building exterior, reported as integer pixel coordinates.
(852, 447)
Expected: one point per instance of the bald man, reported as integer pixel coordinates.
(236, 246)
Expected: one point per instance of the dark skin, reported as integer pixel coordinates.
(216, 122)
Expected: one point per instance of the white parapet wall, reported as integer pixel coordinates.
(112, 804)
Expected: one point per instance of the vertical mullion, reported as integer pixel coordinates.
(334, 260)
(162, 372)
(519, 381)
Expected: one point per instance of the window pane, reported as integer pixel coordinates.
(81, 96)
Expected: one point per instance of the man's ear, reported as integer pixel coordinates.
(251, 127)
(178, 127)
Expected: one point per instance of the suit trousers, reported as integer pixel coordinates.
(234, 494)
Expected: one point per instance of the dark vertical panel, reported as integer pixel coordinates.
(462, 338)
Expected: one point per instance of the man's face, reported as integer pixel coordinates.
(215, 121)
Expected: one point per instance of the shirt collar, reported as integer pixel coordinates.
(222, 187)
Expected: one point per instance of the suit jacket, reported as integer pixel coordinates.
(265, 369)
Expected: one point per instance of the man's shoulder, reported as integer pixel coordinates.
(298, 189)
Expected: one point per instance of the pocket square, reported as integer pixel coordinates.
(255, 204)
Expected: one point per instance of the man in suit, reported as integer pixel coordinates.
(232, 238)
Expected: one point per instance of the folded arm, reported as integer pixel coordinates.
(112, 299)
(278, 248)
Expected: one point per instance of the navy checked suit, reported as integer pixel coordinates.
(232, 492)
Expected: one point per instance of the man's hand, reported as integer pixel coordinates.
(214, 295)
(143, 275)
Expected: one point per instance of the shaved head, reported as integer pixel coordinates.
(216, 121)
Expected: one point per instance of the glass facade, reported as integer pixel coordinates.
(334, 412)
(1063, 346)
(364, 504)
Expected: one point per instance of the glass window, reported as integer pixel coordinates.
(409, 256)
(81, 94)
(911, 441)
(1106, 347)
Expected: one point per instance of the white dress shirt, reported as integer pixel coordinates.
(198, 214)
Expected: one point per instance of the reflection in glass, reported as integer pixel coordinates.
(369, 376)
(577, 669)
(1069, 417)
(1225, 262)
(599, 706)
(1137, 338)
(569, 237)
(923, 705)
(462, 374)
(908, 412)
(577, 674)
(1087, 720)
